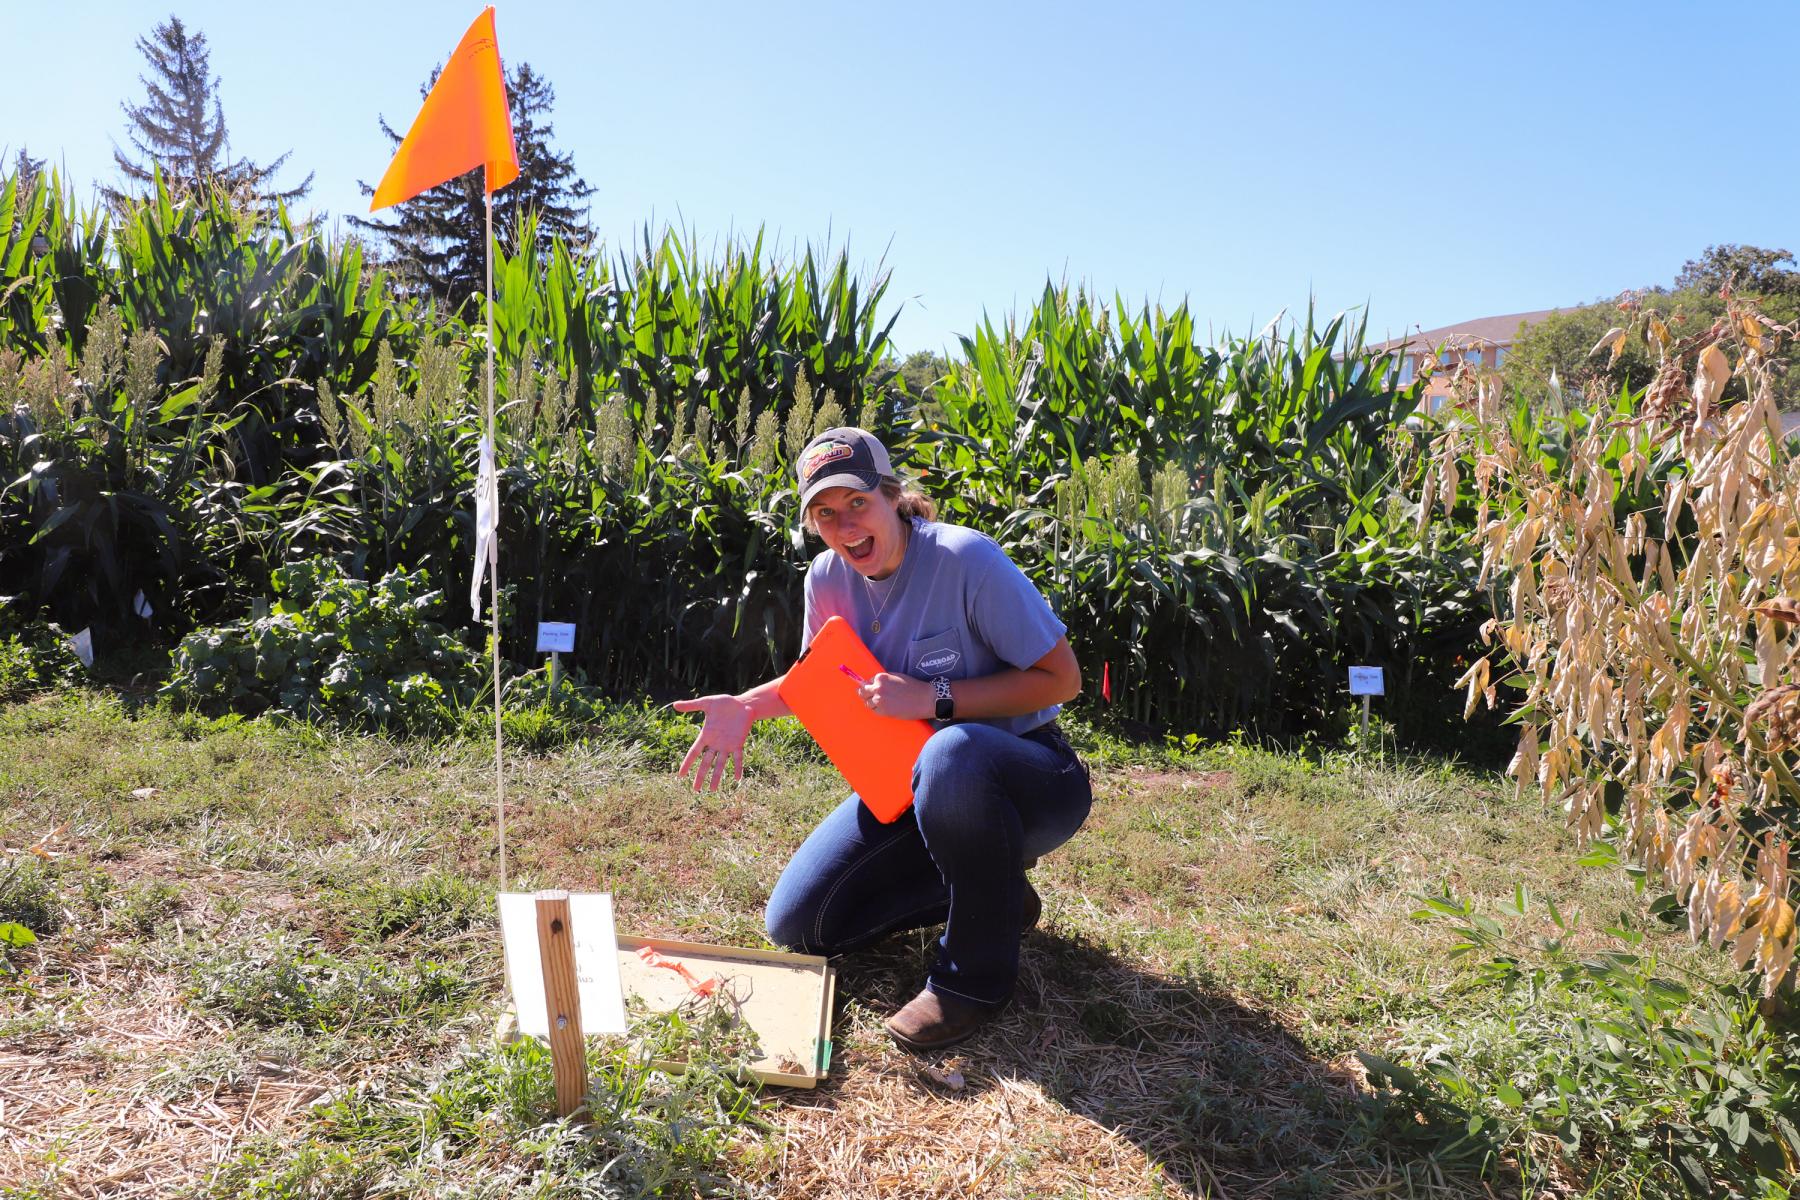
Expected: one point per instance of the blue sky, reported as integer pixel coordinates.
(1434, 162)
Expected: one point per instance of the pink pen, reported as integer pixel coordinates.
(852, 674)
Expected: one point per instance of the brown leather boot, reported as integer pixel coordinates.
(1034, 904)
(931, 1021)
(1032, 909)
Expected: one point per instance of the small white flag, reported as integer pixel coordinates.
(487, 524)
(141, 605)
(83, 645)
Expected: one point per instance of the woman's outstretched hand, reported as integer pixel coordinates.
(721, 740)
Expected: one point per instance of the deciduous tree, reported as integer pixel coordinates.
(1563, 343)
(1749, 269)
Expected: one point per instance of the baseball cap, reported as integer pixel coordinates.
(842, 457)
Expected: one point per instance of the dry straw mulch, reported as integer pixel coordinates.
(95, 1101)
(1037, 1105)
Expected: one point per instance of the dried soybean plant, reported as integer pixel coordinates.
(1646, 570)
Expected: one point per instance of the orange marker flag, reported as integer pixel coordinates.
(464, 124)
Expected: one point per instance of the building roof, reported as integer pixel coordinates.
(1491, 331)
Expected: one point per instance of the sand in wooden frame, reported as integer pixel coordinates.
(786, 999)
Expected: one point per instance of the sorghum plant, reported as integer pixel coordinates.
(1648, 553)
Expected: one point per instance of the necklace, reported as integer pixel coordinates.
(905, 538)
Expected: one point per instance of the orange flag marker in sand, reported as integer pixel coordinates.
(464, 124)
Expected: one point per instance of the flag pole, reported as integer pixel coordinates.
(494, 546)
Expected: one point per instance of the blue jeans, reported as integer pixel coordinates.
(984, 801)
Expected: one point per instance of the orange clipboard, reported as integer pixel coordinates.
(875, 754)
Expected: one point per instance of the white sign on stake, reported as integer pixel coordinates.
(556, 637)
(596, 962)
(1366, 681)
(83, 645)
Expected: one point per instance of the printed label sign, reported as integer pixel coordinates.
(596, 962)
(556, 637)
(1366, 681)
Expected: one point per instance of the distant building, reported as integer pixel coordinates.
(1480, 345)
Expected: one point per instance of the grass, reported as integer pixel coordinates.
(269, 952)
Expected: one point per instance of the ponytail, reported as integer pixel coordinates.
(908, 499)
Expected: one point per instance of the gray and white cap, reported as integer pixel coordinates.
(842, 457)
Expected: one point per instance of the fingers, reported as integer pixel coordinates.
(694, 752)
(708, 763)
(698, 704)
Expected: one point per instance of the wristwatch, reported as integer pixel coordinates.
(946, 705)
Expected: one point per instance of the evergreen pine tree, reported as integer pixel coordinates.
(434, 242)
(180, 126)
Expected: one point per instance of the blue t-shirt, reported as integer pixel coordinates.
(957, 607)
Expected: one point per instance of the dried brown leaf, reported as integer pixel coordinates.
(1710, 376)
(1613, 339)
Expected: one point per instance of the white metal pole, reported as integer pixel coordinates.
(494, 544)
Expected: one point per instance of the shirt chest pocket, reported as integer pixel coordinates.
(939, 655)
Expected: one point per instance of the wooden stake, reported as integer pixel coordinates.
(562, 1000)
(1365, 725)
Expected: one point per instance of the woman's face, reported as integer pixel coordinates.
(863, 527)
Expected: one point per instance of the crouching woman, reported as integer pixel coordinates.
(972, 646)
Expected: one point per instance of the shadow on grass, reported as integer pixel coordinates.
(1220, 1096)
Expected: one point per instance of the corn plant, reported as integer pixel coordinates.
(674, 333)
(161, 458)
(194, 396)
(1223, 528)
(112, 489)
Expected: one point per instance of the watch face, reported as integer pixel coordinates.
(945, 709)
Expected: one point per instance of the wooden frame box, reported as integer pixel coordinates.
(786, 999)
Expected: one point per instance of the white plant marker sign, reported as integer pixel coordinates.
(556, 638)
(596, 962)
(1366, 682)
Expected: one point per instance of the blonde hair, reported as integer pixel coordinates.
(908, 500)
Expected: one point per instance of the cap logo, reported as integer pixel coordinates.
(820, 455)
